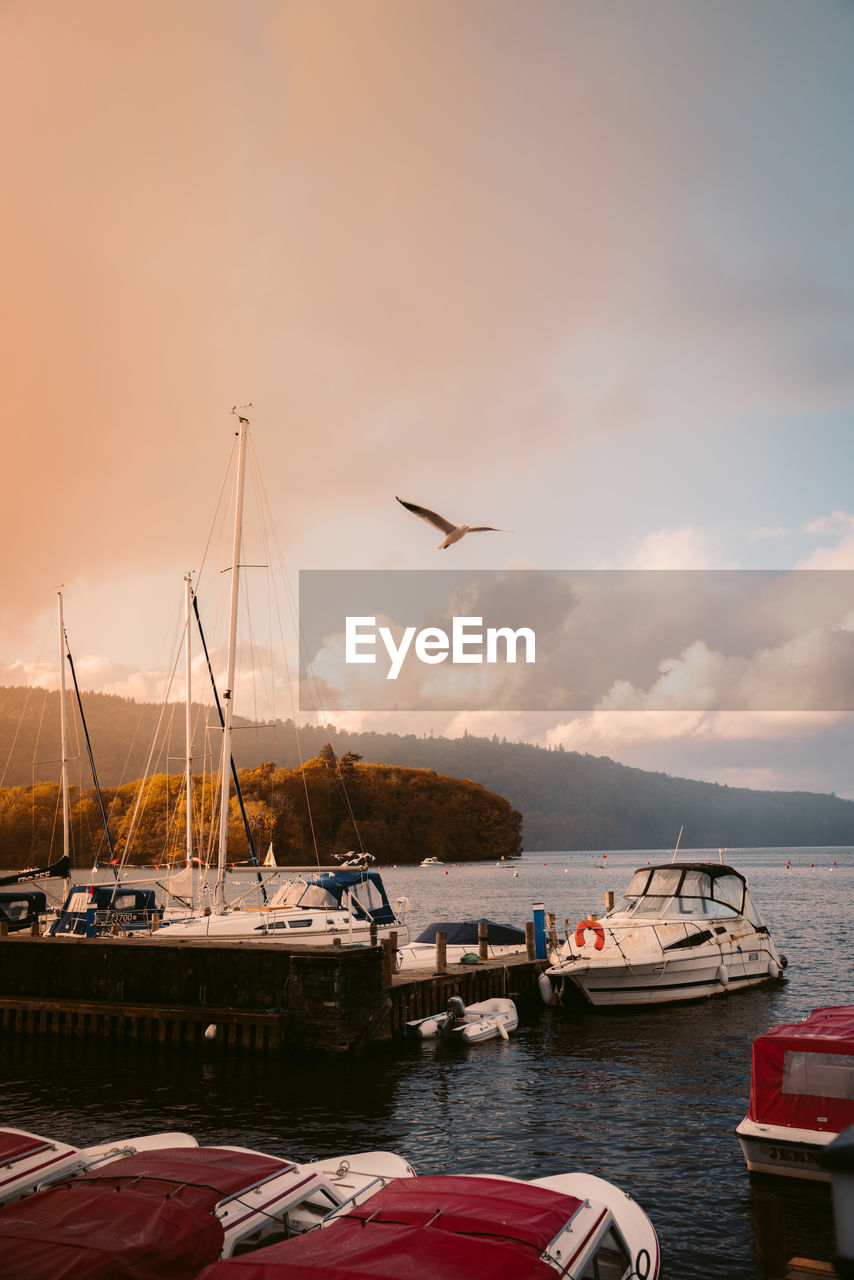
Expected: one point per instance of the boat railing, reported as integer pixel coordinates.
(352, 1199)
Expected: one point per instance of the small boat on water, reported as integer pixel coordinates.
(485, 1020)
(462, 940)
(456, 1227)
(29, 1160)
(170, 1212)
(683, 931)
(801, 1094)
(431, 862)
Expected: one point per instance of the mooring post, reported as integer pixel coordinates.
(530, 942)
(389, 961)
(609, 900)
(551, 930)
(482, 940)
(441, 951)
(540, 930)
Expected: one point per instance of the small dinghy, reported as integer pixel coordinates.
(485, 1020)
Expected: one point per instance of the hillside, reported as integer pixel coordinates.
(310, 814)
(568, 800)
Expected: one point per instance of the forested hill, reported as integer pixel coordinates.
(568, 800)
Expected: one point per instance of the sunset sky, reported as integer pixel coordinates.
(581, 269)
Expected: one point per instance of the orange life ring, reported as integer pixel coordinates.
(582, 928)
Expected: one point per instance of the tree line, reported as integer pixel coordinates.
(309, 814)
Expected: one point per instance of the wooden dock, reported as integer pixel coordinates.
(235, 996)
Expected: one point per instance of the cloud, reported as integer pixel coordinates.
(682, 548)
(839, 525)
(766, 532)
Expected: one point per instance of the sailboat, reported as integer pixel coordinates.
(316, 906)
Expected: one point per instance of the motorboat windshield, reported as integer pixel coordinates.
(362, 891)
(683, 890)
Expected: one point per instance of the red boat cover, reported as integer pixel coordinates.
(144, 1217)
(421, 1228)
(15, 1145)
(803, 1074)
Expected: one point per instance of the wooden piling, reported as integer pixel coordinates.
(482, 940)
(441, 951)
(530, 943)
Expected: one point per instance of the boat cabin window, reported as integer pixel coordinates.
(14, 910)
(125, 902)
(611, 1260)
(729, 890)
(368, 897)
(821, 1075)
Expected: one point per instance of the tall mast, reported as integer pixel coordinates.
(63, 731)
(188, 722)
(232, 644)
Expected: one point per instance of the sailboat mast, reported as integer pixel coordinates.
(188, 720)
(232, 644)
(63, 732)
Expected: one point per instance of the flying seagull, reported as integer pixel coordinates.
(454, 531)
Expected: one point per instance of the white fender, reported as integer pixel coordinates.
(502, 1030)
(546, 989)
(723, 975)
(774, 969)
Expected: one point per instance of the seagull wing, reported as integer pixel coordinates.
(486, 528)
(430, 516)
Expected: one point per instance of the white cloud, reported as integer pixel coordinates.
(766, 532)
(839, 525)
(687, 547)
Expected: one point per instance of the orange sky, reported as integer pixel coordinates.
(579, 268)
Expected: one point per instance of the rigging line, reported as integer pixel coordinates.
(215, 519)
(237, 789)
(278, 559)
(91, 757)
(131, 831)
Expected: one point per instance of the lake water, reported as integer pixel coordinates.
(647, 1099)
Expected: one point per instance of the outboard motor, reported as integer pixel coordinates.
(455, 1017)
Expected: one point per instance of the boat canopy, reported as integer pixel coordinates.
(93, 908)
(325, 890)
(19, 909)
(461, 933)
(803, 1073)
(680, 889)
(146, 1217)
(454, 1227)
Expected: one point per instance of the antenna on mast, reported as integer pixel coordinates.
(235, 408)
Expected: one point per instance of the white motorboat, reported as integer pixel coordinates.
(683, 931)
(461, 942)
(170, 1212)
(431, 862)
(28, 1160)
(801, 1094)
(484, 1020)
(454, 1227)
